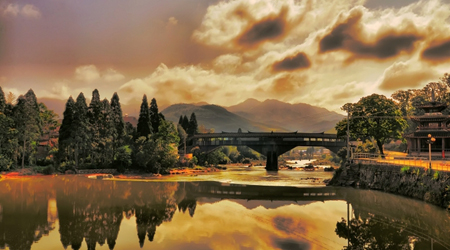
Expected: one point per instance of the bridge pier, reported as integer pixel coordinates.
(272, 161)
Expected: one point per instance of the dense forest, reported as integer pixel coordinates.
(95, 135)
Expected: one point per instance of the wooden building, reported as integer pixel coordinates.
(433, 123)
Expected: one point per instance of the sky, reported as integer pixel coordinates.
(324, 53)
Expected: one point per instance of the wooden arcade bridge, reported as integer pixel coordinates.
(270, 144)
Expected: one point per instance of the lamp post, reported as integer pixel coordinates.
(430, 141)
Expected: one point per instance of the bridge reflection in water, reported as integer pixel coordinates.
(92, 213)
(270, 144)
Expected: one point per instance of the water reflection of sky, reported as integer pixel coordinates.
(257, 175)
(53, 212)
(230, 225)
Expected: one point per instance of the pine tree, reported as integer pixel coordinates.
(193, 126)
(117, 117)
(180, 122)
(107, 134)
(2, 101)
(185, 123)
(65, 132)
(79, 133)
(94, 116)
(28, 123)
(144, 127)
(154, 116)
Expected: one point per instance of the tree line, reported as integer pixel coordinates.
(23, 121)
(96, 136)
(376, 119)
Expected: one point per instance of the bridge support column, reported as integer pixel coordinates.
(272, 161)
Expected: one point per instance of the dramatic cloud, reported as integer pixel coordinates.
(227, 63)
(298, 61)
(404, 75)
(437, 52)
(320, 52)
(248, 24)
(269, 28)
(187, 85)
(348, 35)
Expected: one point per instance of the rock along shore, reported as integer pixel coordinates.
(416, 183)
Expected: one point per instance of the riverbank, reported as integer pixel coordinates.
(416, 183)
(30, 172)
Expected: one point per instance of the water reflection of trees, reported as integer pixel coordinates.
(96, 216)
(387, 220)
(372, 234)
(24, 218)
(88, 210)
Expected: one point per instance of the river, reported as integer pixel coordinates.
(240, 208)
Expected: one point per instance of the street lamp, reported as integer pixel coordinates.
(430, 141)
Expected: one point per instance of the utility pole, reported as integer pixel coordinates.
(348, 134)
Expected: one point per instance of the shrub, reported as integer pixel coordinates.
(5, 163)
(246, 161)
(436, 175)
(48, 170)
(404, 170)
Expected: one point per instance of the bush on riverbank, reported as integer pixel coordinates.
(416, 183)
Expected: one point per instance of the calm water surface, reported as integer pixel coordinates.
(242, 210)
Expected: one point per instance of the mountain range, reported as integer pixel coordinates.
(253, 115)
(250, 115)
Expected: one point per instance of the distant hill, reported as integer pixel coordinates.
(292, 117)
(250, 115)
(213, 116)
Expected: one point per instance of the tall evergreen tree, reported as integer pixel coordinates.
(144, 127)
(193, 125)
(28, 123)
(94, 115)
(117, 118)
(65, 132)
(2, 101)
(107, 134)
(80, 133)
(185, 123)
(180, 122)
(155, 119)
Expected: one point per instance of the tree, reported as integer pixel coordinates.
(8, 142)
(11, 98)
(193, 125)
(154, 116)
(144, 127)
(94, 116)
(373, 116)
(28, 123)
(185, 123)
(119, 124)
(79, 133)
(180, 122)
(49, 124)
(2, 101)
(182, 135)
(107, 132)
(65, 132)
